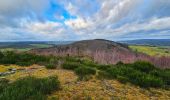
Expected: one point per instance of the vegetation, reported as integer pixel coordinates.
(26, 59)
(84, 72)
(70, 65)
(28, 88)
(140, 73)
(152, 50)
(51, 66)
(22, 46)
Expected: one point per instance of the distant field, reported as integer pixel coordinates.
(24, 47)
(152, 50)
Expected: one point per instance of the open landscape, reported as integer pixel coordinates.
(75, 73)
(84, 50)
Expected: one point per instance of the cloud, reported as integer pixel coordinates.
(83, 19)
(11, 11)
(78, 23)
(44, 28)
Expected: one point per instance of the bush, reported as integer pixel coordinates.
(120, 63)
(163, 74)
(1, 55)
(143, 66)
(103, 67)
(135, 74)
(30, 88)
(72, 59)
(3, 83)
(83, 71)
(122, 79)
(103, 75)
(26, 59)
(50, 66)
(71, 65)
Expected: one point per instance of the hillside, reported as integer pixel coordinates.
(92, 48)
(102, 51)
(69, 78)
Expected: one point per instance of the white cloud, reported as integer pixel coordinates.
(100, 25)
(46, 28)
(78, 23)
(152, 24)
(114, 10)
(92, 19)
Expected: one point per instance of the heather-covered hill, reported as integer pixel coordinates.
(102, 51)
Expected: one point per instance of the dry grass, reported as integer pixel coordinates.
(93, 89)
(4, 68)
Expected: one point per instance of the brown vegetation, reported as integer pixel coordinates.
(103, 51)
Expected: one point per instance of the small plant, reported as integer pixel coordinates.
(50, 66)
(70, 65)
(84, 72)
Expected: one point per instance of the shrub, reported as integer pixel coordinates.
(50, 66)
(23, 63)
(71, 65)
(72, 59)
(26, 59)
(143, 66)
(83, 71)
(150, 81)
(1, 55)
(103, 75)
(122, 79)
(119, 63)
(135, 75)
(163, 74)
(3, 83)
(103, 67)
(30, 88)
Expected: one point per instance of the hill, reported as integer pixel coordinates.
(102, 51)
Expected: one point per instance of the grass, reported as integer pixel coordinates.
(140, 73)
(94, 88)
(151, 50)
(102, 89)
(4, 68)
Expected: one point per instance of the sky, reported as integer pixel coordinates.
(66, 20)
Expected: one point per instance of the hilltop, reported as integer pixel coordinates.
(97, 48)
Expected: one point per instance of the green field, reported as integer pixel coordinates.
(152, 50)
(26, 48)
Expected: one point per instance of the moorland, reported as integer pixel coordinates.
(85, 70)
